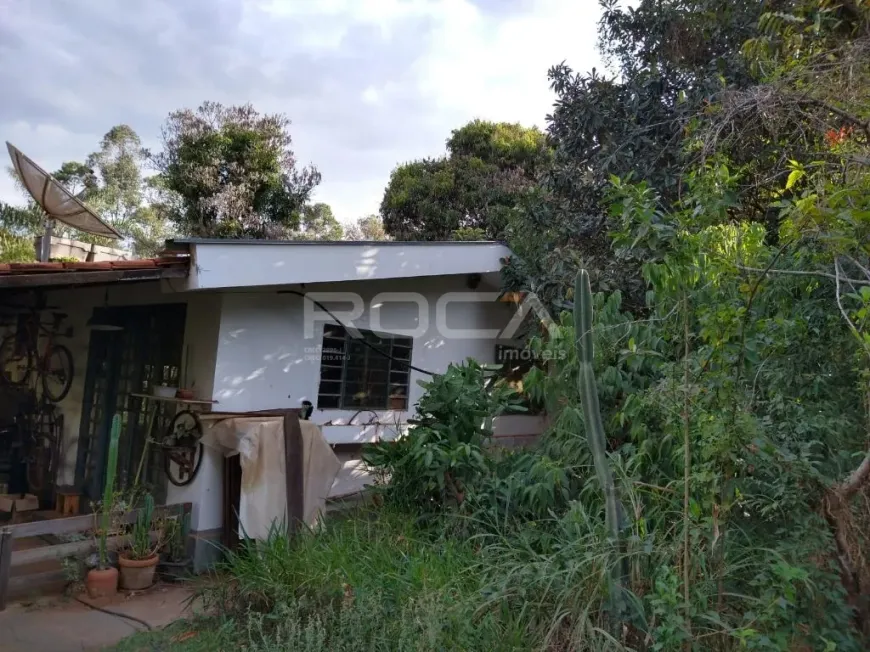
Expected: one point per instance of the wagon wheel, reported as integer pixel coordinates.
(182, 448)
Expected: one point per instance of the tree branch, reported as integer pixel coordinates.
(845, 115)
(850, 486)
(798, 272)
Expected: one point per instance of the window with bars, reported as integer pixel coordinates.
(353, 376)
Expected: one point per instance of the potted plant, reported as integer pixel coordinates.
(139, 561)
(174, 561)
(102, 581)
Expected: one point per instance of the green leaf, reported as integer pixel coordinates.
(793, 177)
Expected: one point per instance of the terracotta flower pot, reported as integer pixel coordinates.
(102, 583)
(137, 574)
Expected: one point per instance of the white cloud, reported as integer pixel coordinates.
(497, 69)
(368, 84)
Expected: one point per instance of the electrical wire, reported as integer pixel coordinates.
(364, 342)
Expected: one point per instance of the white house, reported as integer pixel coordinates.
(247, 324)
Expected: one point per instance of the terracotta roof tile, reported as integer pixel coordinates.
(81, 266)
(95, 266)
(134, 264)
(35, 267)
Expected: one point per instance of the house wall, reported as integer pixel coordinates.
(249, 351)
(266, 361)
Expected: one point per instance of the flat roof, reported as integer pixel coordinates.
(225, 264)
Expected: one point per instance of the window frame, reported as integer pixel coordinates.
(400, 367)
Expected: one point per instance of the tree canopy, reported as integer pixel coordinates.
(229, 171)
(111, 181)
(487, 169)
(318, 223)
(17, 226)
(114, 184)
(366, 228)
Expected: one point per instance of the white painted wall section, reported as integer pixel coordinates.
(238, 265)
(201, 332)
(266, 361)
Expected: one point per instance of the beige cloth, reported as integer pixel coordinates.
(259, 441)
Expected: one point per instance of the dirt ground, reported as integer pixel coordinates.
(63, 624)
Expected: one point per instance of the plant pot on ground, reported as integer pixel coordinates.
(102, 581)
(137, 574)
(139, 561)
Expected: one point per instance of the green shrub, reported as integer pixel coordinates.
(441, 458)
(15, 248)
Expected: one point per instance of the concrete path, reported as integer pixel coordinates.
(64, 625)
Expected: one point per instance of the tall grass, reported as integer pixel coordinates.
(368, 581)
(382, 580)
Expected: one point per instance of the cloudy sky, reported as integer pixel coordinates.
(367, 83)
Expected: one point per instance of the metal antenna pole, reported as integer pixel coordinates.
(45, 248)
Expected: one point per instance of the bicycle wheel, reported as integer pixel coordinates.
(57, 375)
(16, 362)
(39, 469)
(42, 456)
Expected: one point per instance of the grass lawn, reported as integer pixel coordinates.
(369, 581)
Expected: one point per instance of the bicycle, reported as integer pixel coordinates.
(42, 450)
(20, 356)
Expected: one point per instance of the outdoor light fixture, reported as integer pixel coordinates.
(104, 318)
(101, 322)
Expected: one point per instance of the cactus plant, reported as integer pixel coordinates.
(588, 390)
(109, 490)
(141, 546)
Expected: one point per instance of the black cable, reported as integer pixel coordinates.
(363, 340)
(118, 614)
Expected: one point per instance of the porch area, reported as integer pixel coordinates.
(82, 342)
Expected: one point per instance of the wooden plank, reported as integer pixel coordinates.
(294, 472)
(30, 583)
(73, 549)
(5, 564)
(54, 526)
(75, 524)
(174, 399)
(220, 416)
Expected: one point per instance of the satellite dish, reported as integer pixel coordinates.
(57, 202)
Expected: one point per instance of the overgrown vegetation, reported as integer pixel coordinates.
(703, 483)
(369, 581)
